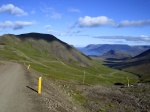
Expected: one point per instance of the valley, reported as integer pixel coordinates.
(86, 82)
(138, 65)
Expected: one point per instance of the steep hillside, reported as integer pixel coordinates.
(145, 54)
(49, 44)
(139, 65)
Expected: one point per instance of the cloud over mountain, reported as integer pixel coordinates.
(138, 23)
(74, 10)
(13, 10)
(15, 25)
(51, 13)
(101, 21)
(54, 32)
(47, 26)
(127, 38)
(88, 21)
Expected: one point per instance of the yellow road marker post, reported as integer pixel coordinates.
(39, 85)
(28, 66)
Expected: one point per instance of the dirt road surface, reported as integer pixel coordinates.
(18, 92)
(13, 89)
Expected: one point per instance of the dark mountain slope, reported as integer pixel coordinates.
(115, 54)
(145, 54)
(49, 44)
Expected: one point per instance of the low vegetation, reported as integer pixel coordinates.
(139, 65)
(69, 73)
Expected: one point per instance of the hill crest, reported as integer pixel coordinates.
(116, 54)
(49, 44)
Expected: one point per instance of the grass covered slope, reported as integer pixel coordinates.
(139, 65)
(47, 44)
(58, 60)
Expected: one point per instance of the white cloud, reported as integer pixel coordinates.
(138, 23)
(99, 21)
(127, 38)
(51, 13)
(21, 24)
(71, 26)
(55, 15)
(77, 31)
(15, 25)
(88, 21)
(32, 12)
(74, 10)
(6, 24)
(143, 36)
(13, 10)
(69, 31)
(54, 32)
(47, 26)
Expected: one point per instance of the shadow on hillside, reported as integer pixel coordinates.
(123, 65)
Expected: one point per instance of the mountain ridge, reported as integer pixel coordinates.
(48, 43)
(115, 54)
(139, 65)
(100, 49)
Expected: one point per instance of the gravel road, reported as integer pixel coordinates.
(18, 92)
(13, 89)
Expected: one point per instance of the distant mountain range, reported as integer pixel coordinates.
(139, 65)
(100, 49)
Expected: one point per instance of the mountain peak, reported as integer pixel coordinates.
(116, 54)
(38, 36)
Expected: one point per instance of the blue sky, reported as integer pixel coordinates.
(79, 22)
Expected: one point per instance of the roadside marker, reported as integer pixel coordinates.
(28, 66)
(39, 85)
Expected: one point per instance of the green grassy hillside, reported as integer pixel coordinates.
(57, 60)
